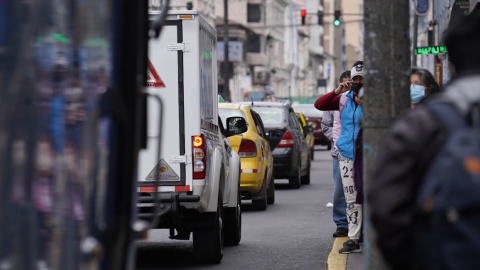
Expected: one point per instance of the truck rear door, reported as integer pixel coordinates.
(165, 80)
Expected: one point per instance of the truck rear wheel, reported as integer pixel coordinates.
(261, 204)
(233, 222)
(208, 243)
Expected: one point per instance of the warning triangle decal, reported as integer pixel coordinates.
(163, 171)
(153, 80)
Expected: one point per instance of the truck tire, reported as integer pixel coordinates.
(294, 181)
(306, 178)
(261, 204)
(233, 222)
(208, 243)
(271, 192)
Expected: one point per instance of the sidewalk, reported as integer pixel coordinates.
(337, 261)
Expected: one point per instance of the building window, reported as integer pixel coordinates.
(253, 43)
(254, 13)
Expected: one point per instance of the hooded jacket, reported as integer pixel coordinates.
(350, 112)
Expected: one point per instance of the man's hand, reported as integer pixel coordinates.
(343, 87)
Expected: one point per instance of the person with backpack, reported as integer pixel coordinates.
(424, 196)
(350, 111)
(329, 128)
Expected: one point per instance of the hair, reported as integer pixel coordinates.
(345, 74)
(463, 43)
(358, 63)
(427, 79)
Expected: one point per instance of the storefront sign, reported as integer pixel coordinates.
(460, 9)
(431, 50)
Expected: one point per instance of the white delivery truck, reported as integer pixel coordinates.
(193, 184)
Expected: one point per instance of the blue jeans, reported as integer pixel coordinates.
(339, 203)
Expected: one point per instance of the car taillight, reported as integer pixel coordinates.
(287, 140)
(247, 149)
(199, 157)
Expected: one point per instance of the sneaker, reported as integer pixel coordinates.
(341, 232)
(350, 247)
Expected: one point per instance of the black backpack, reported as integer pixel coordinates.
(447, 223)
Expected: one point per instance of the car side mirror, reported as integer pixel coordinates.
(236, 125)
(308, 129)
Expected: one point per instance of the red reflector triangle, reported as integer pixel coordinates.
(153, 80)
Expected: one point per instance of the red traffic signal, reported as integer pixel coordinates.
(303, 12)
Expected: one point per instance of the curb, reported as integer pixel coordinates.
(337, 261)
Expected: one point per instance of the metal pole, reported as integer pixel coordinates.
(387, 61)
(226, 61)
(415, 37)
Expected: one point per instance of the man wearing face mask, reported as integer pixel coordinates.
(350, 109)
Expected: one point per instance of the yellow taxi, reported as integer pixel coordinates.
(307, 131)
(256, 181)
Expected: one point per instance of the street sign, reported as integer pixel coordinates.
(431, 50)
(421, 7)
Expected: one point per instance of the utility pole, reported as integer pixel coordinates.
(226, 61)
(415, 38)
(387, 62)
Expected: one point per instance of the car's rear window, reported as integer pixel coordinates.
(308, 111)
(227, 113)
(270, 115)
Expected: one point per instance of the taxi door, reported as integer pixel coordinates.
(267, 158)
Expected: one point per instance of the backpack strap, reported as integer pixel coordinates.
(447, 114)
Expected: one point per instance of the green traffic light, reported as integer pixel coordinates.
(336, 23)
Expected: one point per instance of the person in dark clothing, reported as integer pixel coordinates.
(411, 145)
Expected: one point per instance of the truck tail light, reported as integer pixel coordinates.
(199, 163)
(248, 149)
(287, 140)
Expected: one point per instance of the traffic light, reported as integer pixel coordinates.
(336, 22)
(320, 17)
(303, 13)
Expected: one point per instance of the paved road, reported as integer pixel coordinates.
(294, 233)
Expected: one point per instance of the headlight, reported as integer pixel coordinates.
(314, 125)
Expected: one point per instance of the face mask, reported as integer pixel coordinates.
(356, 87)
(417, 92)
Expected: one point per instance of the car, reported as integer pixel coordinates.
(314, 118)
(256, 178)
(188, 173)
(308, 133)
(291, 157)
